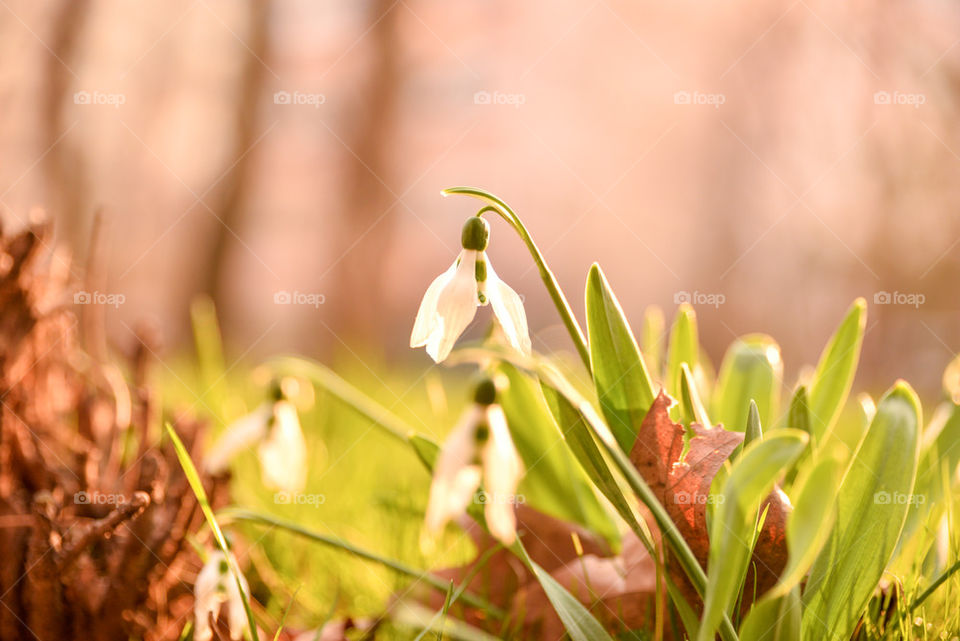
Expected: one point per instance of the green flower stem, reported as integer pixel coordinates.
(328, 380)
(559, 300)
(232, 515)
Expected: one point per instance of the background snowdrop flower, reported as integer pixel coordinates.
(215, 586)
(238, 436)
(478, 449)
(282, 449)
(451, 300)
(283, 455)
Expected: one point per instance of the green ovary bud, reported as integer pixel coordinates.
(475, 234)
(485, 393)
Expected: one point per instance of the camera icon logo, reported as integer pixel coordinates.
(282, 297)
(681, 98)
(282, 498)
(881, 98)
(282, 98)
(882, 298)
(681, 297)
(881, 498)
(81, 498)
(82, 298)
(482, 98)
(81, 98)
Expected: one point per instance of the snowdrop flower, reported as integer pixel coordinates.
(478, 449)
(451, 301)
(216, 585)
(282, 450)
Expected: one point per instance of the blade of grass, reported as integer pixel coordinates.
(234, 514)
(193, 478)
(286, 611)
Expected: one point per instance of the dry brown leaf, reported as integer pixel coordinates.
(681, 482)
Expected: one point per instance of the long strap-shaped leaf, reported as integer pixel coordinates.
(734, 522)
(619, 372)
(579, 623)
(872, 505)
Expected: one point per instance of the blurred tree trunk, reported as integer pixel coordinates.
(368, 215)
(64, 168)
(230, 197)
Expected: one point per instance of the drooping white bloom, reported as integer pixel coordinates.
(283, 455)
(214, 587)
(478, 450)
(451, 301)
(282, 451)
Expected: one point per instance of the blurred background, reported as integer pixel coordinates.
(767, 161)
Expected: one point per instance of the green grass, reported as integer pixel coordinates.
(373, 491)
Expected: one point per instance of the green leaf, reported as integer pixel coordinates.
(810, 523)
(193, 478)
(834, 375)
(872, 504)
(798, 417)
(651, 339)
(579, 623)
(751, 479)
(573, 427)
(684, 347)
(554, 483)
(752, 370)
(688, 617)
(774, 619)
(209, 346)
(691, 407)
(619, 373)
(753, 431)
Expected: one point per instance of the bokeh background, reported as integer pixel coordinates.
(784, 156)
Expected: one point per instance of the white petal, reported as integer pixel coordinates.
(283, 456)
(207, 596)
(456, 477)
(501, 474)
(236, 614)
(456, 307)
(508, 308)
(238, 436)
(427, 315)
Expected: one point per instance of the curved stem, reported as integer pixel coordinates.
(559, 300)
(232, 515)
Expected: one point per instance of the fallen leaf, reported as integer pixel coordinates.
(681, 482)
